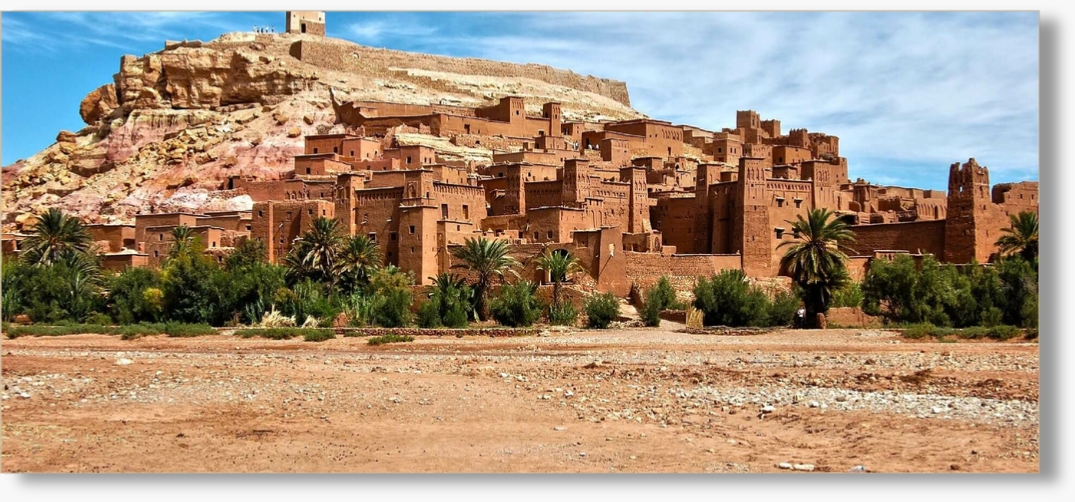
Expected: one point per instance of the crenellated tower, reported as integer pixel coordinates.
(750, 232)
(965, 236)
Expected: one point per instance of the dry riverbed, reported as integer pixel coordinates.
(631, 400)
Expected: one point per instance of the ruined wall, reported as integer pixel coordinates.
(342, 57)
(913, 236)
(645, 269)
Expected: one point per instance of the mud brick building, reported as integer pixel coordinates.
(633, 199)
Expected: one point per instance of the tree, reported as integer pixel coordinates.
(359, 256)
(249, 252)
(1021, 236)
(315, 255)
(488, 259)
(183, 241)
(815, 260)
(449, 303)
(53, 235)
(560, 265)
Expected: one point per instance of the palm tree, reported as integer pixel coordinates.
(315, 255)
(559, 265)
(358, 257)
(83, 282)
(53, 234)
(183, 241)
(488, 259)
(815, 260)
(1021, 236)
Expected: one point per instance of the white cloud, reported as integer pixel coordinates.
(923, 89)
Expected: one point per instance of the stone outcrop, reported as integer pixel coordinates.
(99, 103)
(174, 124)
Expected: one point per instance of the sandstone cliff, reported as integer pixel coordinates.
(175, 123)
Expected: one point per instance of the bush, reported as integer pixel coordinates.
(601, 309)
(428, 315)
(180, 330)
(392, 298)
(727, 299)
(849, 296)
(564, 314)
(309, 298)
(660, 297)
(782, 308)
(318, 335)
(1003, 332)
(285, 333)
(923, 330)
(1003, 293)
(516, 305)
(99, 319)
(381, 340)
(134, 296)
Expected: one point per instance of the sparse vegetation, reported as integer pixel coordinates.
(601, 309)
(381, 340)
(516, 305)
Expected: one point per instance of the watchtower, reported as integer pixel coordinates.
(306, 22)
(965, 235)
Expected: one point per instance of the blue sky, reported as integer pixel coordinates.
(907, 93)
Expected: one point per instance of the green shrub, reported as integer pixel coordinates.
(392, 297)
(564, 314)
(99, 319)
(923, 330)
(849, 296)
(973, 332)
(516, 305)
(134, 296)
(428, 315)
(318, 335)
(284, 333)
(381, 340)
(1003, 332)
(660, 297)
(782, 308)
(180, 330)
(727, 299)
(1032, 333)
(601, 309)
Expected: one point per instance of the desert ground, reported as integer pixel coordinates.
(624, 400)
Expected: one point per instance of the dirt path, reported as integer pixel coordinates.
(636, 400)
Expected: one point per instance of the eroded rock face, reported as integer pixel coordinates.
(175, 124)
(98, 104)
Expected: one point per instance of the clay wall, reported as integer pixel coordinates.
(460, 202)
(543, 194)
(142, 221)
(790, 155)
(417, 247)
(675, 218)
(645, 269)
(659, 139)
(553, 224)
(279, 223)
(121, 262)
(915, 236)
(114, 237)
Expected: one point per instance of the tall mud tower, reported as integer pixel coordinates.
(965, 238)
(751, 233)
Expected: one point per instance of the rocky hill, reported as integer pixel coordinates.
(175, 123)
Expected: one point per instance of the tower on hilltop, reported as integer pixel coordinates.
(306, 22)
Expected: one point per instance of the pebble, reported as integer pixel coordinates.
(784, 465)
(123, 362)
(803, 467)
(559, 428)
(768, 409)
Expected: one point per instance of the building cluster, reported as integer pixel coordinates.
(631, 198)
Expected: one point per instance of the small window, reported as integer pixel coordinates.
(335, 149)
(315, 149)
(779, 233)
(466, 212)
(392, 236)
(214, 244)
(281, 240)
(373, 236)
(160, 237)
(412, 249)
(408, 159)
(798, 203)
(537, 236)
(248, 228)
(352, 153)
(310, 212)
(260, 214)
(550, 234)
(156, 253)
(412, 229)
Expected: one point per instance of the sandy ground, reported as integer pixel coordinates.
(633, 400)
